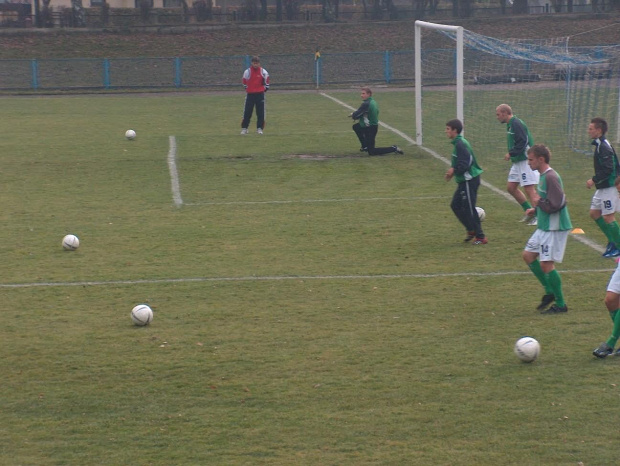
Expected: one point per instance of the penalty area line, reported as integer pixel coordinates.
(156, 281)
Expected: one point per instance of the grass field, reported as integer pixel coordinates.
(312, 305)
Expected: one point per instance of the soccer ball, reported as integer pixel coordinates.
(527, 349)
(141, 315)
(481, 213)
(70, 243)
(130, 134)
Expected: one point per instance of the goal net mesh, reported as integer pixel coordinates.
(554, 88)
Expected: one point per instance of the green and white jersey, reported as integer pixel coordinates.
(551, 210)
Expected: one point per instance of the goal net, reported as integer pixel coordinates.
(556, 89)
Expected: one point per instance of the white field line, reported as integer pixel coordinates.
(311, 201)
(174, 174)
(286, 278)
(581, 238)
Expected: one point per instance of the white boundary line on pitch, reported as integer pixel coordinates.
(174, 174)
(581, 238)
(284, 278)
(312, 201)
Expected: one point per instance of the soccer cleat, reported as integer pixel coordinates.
(480, 241)
(611, 252)
(603, 350)
(545, 301)
(526, 218)
(555, 309)
(259, 130)
(398, 150)
(470, 235)
(610, 247)
(244, 131)
(533, 221)
(363, 149)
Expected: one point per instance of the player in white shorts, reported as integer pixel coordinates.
(547, 244)
(612, 302)
(521, 175)
(605, 200)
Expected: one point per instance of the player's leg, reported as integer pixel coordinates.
(248, 109)
(553, 246)
(612, 302)
(474, 220)
(260, 112)
(531, 257)
(360, 132)
(459, 207)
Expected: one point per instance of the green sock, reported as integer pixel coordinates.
(538, 273)
(615, 334)
(526, 205)
(614, 232)
(604, 228)
(555, 281)
(613, 314)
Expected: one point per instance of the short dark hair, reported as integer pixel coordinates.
(599, 123)
(540, 150)
(456, 124)
(255, 59)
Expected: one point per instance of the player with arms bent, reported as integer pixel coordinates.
(256, 82)
(466, 172)
(519, 141)
(548, 243)
(368, 125)
(605, 200)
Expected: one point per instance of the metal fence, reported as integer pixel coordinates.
(287, 71)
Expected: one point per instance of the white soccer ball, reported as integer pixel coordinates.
(481, 213)
(527, 349)
(141, 315)
(130, 134)
(70, 243)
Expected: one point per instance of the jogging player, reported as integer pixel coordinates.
(605, 200)
(466, 172)
(519, 141)
(548, 243)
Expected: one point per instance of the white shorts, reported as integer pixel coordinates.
(521, 173)
(606, 200)
(614, 281)
(550, 245)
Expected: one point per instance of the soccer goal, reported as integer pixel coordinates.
(556, 89)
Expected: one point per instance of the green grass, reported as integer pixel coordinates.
(346, 323)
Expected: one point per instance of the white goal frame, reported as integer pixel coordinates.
(418, 71)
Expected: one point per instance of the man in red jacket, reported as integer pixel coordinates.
(256, 83)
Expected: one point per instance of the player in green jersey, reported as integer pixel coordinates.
(368, 125)
(466, 172)
(519, 141)
(548, 243)
(605, 201)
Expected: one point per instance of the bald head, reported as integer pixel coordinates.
(503, 112)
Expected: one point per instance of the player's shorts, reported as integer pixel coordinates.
(606, 200)
(521, 173)
(614, 281)
(550, 245)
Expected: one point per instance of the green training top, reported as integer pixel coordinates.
(551, 211)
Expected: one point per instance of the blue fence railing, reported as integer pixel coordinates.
(203, 72)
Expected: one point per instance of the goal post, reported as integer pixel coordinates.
(554, 88)
(418, 71)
